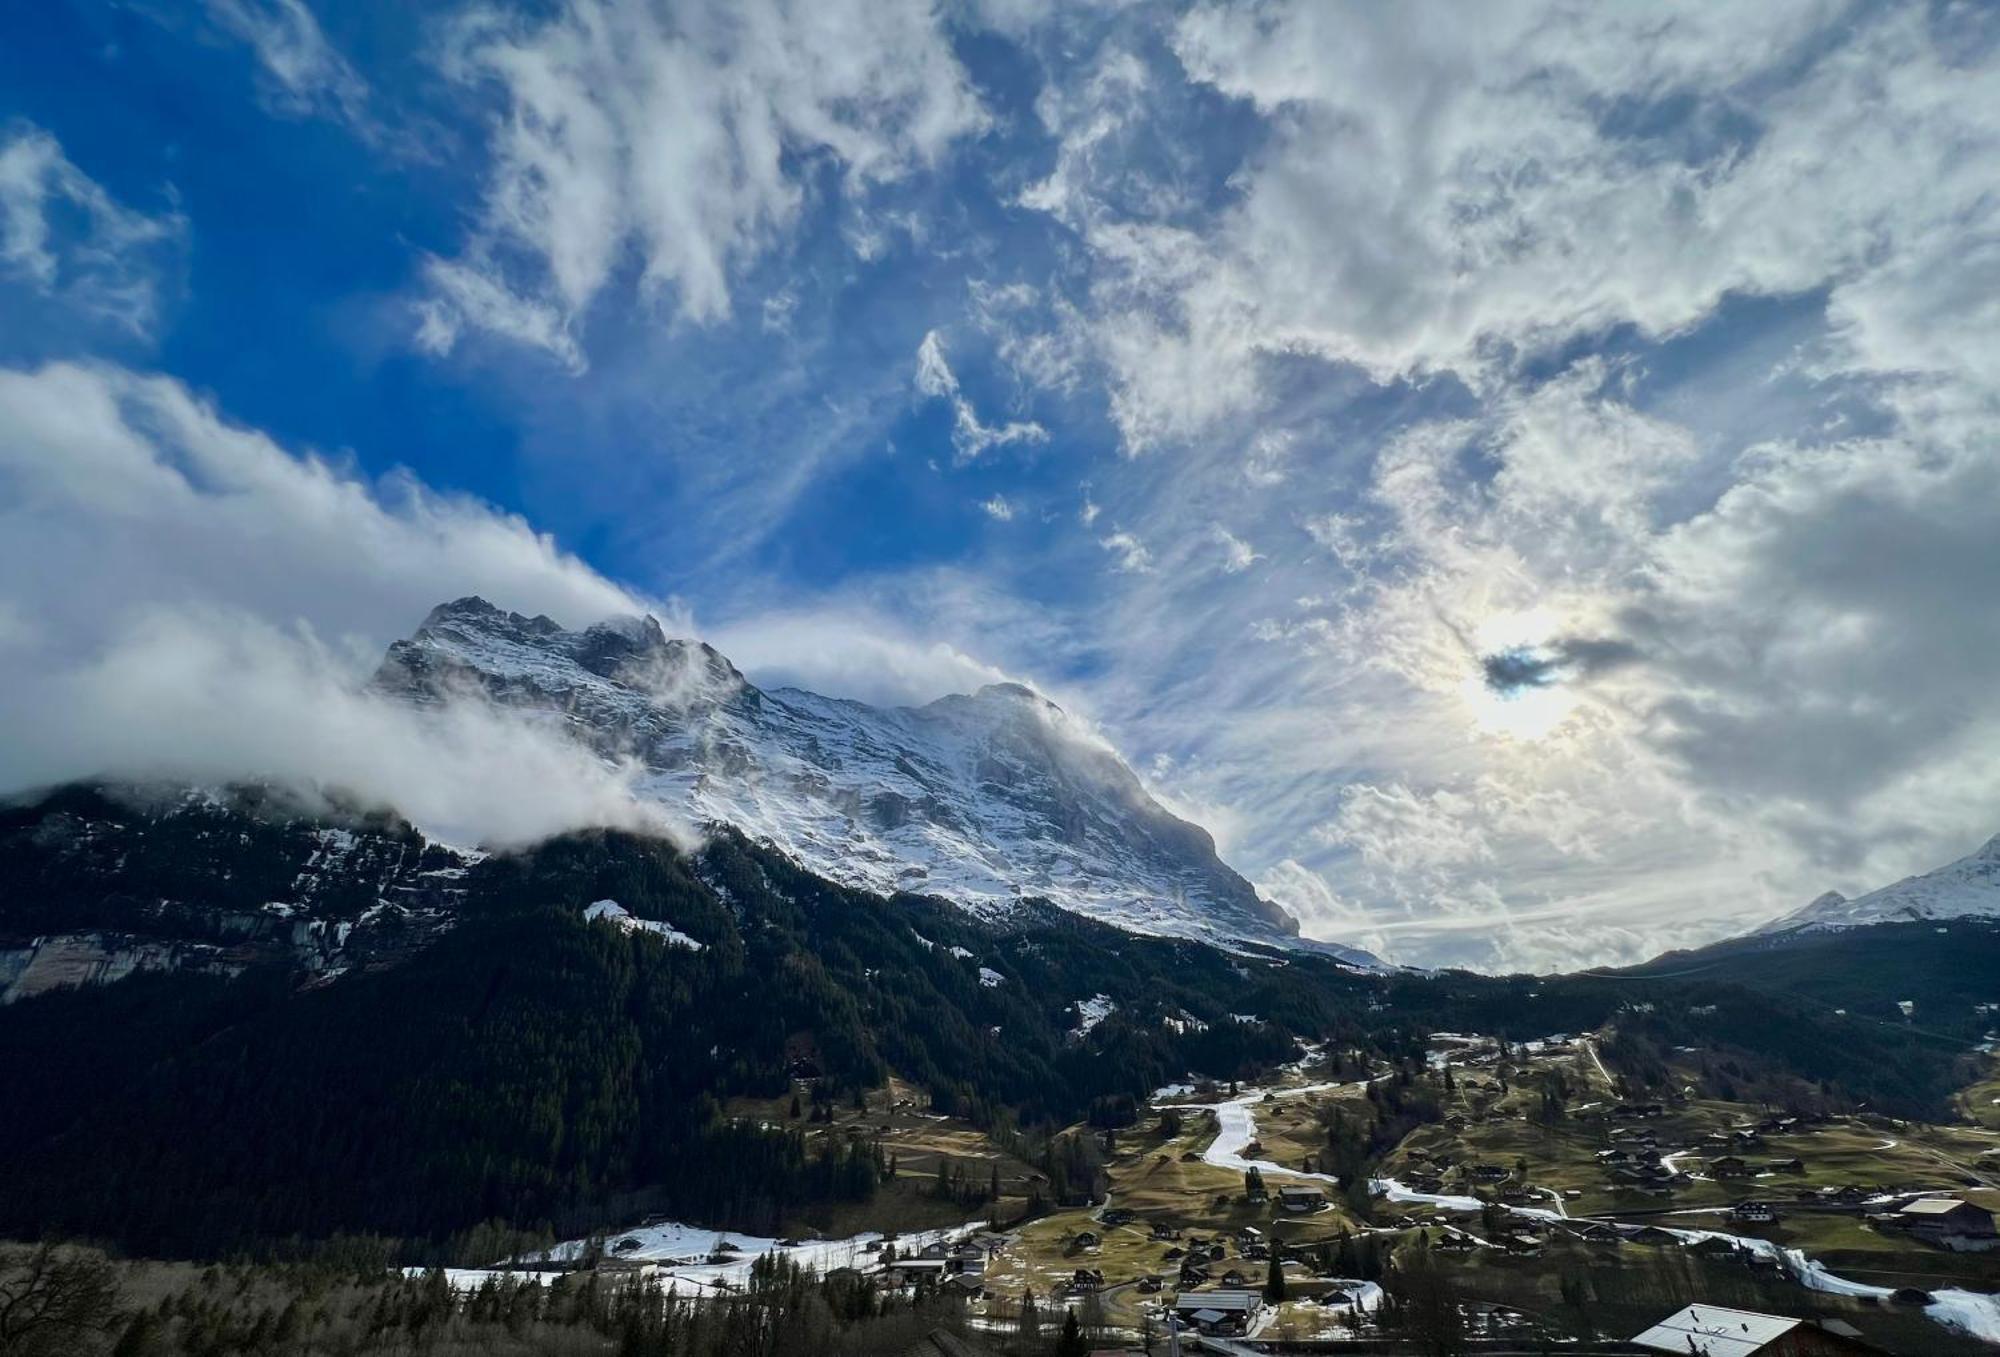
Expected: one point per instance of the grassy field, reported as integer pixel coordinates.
(1163, 1180)
(1561, 1155)
(1981, 1102)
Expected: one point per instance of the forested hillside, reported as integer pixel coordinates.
(530, 1068)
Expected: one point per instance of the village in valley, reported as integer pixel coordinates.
(1491, 1192)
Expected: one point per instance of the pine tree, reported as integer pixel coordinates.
(1274, 1280)
(1071, 1343)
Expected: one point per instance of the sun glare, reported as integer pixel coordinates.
(1524, 714)
(1527, 711)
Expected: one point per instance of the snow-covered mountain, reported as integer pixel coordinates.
(1967, 888)
(984, 799)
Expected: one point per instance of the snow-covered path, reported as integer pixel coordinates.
(1236, 1128)
(1669, 1162)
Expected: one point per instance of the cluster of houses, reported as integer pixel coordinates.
(958, 1267)
(1200, 1257)
(1427, 1170)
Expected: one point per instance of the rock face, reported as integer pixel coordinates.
(984, 799)
(97, 883)
(1966, 889)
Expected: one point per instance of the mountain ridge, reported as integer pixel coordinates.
(1967, 887)
(985, 799)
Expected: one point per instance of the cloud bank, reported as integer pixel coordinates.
(185, 599)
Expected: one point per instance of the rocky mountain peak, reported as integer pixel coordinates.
(988, 799)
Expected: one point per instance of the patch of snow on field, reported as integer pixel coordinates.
(472, 1278)
(682, 1252)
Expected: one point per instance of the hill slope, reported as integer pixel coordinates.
(520, 1061)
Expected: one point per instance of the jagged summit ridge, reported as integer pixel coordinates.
(985, 798)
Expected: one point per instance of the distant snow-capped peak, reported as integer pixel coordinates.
(1967, 888)
(985, 799)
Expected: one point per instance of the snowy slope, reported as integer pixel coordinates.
(1967, 888)
(984, 799)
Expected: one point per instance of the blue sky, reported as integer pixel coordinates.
(1522, 480)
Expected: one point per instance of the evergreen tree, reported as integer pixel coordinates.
(1274, 1280)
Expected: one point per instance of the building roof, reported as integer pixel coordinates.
(1216, 1300)
(1716, 1331)
(1933, 1206)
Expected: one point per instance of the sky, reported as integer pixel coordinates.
(1522, 475)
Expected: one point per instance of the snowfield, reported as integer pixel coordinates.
(682, 1252)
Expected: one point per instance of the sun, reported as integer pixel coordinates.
(1523, 714)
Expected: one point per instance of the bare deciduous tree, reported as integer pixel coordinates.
(57, 1300)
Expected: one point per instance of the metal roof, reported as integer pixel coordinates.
(1217, 1300)
(1932, 1206)
(1716, 1331)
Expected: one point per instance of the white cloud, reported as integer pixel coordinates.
(462, 297)
(209, 696)
(190, 600)
(300, 72)
(850, 649)
(64, 236)
(1132, 555)
(999, 507)
(970, 437)
(680, 141)
(1444, 191)
(1237, 554)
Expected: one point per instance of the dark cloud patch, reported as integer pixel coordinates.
(1510, 671)
(1520, 668)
